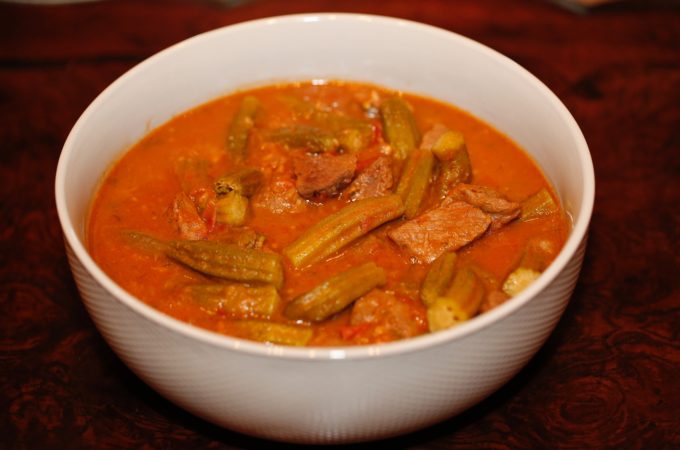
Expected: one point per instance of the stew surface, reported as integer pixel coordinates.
(325, 213)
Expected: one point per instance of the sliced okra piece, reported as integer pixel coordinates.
(244, 181)
(459, 303)
(231, 209)
(519, 279)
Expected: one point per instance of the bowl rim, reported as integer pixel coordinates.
(429, 340)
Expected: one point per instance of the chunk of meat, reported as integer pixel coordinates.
(432, 135)
(185, 217)
(446, 228)
(380, 316)
(375, 180)
(324, 174)
(488, 200)
(279, 195)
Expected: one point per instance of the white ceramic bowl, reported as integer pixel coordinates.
(326, 395)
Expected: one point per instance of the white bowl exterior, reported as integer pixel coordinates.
(326, 401)
(315, 395)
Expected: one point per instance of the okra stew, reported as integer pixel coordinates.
(325, 213)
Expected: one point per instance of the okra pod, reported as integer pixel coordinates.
(312, 138)
(438, 278)
(239, 129)
(236, 300)
(519, 280)
(538, 205)
(448, 145)
(399, 126)
(336, 293)
(356, 138)
(275, 333)
(451, 151)
(145, 242)
(353, 134)
(459, 303)
(231, 209)
(466, 290)
(342, 227)
(242, 237)
(228, 261)
(243, 181)
(538, 254)
(415, 179)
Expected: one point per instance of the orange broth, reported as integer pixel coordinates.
(188, 154)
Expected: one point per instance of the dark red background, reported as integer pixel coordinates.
(607, 377)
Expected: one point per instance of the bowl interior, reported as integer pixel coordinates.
(399, 54)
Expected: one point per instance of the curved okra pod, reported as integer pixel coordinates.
(228, 261)
(399, 126)
(336, 293)
(415, 179)
(343, 227)
(239, 129)
(438, 278)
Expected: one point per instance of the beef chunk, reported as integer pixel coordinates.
(375, 180)
(488, 200)
(279, 195)
(323, 175)
(445, 228)
(383, 317)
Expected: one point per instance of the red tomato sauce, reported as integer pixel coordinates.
(188, 153)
